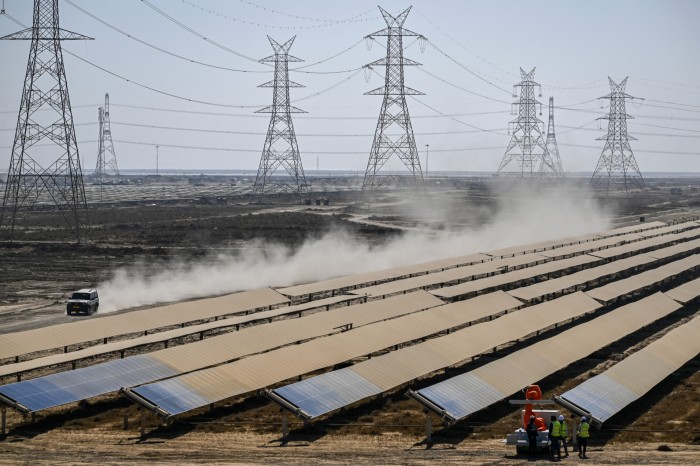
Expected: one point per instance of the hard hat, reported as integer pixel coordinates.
(561, 417)
(583, 418)
(532, 417)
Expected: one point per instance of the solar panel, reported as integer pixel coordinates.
(83, 383)
(200, 388)
(513, 277)
(452, 275)
(611, 391)
(57, 336)
(686, 292)
(558, 285)
(324, 393)
(369, 278)
(459, 396)
(627, 286)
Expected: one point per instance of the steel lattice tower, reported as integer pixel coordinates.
(280, 148)
(394, 133)
(551, 144)
(527, 137)
(105, 145)
(617, 165)
(54, 174)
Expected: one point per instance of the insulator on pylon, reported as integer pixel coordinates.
(368, 73)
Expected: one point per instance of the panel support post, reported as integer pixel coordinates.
(126, 421)
(428, 427)
(285, 426)
(143, 423)
(3, 410)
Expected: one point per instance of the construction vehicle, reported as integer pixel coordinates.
(533, 396)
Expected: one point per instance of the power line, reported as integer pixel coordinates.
(461, 88)
(456, 120)
(187, 99)
(158, 91)
(666, 152)
(324, 23)
(147, 44)
(466, 68)
(195, 33)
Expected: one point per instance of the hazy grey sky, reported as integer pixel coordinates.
(575, 46)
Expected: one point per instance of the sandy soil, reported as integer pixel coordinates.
(110, 447)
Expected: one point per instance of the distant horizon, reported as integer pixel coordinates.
(253, 172)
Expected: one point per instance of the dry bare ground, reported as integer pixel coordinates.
(109, 446)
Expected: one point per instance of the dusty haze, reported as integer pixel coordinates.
(523, 214)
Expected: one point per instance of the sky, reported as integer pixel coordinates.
(470, 63)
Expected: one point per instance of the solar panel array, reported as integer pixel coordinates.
(198, 389)
(319, 395)
(459, 396)
(167, 335)
(606, 394)
(57, 389)
(186, 377)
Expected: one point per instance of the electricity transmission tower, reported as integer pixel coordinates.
(551, 144)
(105, 145)
(617, 165)
(36, 173)
(280, 148)
(527, 146)
(394, 133)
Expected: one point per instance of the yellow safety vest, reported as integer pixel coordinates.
(563, 429)
(583, 430)
(556, 429)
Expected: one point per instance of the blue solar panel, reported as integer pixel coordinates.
(80, 384)
(172, 396)
(602, 396)
(324, 393)
(462, 395)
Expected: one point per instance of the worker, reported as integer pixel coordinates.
(564, 434)
(532, 437)
(583, 434)
(554, 436)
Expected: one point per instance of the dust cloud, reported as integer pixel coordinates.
(519, 215)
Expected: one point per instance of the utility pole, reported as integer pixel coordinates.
(280, 149)
(551, 144)
(527, 146)
(617, 165)
(157, 160)
(105, 144)
(37, 173)
(394, 133)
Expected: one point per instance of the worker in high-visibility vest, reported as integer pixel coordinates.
(583, 434)
(554, 436)
(564, 433)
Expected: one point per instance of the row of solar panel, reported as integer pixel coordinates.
(180, 394)
(62, 336)
(468, 273)
(56, 388)
(517, 275)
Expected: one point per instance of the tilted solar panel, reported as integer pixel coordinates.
(610, 392)
(459, 396)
